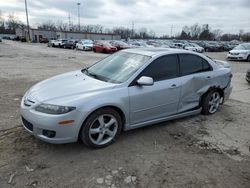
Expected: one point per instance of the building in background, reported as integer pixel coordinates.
(36, 35)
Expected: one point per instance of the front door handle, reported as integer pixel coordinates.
(173, 86)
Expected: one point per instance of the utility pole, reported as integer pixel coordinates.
(69, 21)
(133, 26)
(171, 30)
(79, 25)
(27, 20)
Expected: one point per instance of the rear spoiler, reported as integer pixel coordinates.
(223, 64)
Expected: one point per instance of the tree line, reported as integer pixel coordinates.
(193, 32)
(205, 32)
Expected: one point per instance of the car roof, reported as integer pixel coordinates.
(156, 51)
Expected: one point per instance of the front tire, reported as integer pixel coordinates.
(248, 58)
(210, 102)
(101, 128)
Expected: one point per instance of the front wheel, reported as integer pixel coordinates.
(210, 103)
(248, 58)
(101, 128)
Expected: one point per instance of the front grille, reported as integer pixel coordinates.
(27, 124)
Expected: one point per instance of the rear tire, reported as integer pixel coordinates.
(210, 102)
(101, 128)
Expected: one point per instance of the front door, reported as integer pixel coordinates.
(162, 98)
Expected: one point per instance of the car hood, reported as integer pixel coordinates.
(88, 45)
(64, 85)
(239, 51)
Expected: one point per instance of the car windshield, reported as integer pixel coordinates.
(87, 42)
(120, 43)
(242, 47)
(105, 43)
(118, 67)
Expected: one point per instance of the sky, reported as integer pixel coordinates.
(161, 16)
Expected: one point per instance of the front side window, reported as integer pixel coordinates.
(165, 67)
(118, 67)
(191, 64)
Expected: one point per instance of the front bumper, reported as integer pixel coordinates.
(46, 127)
(237, 57)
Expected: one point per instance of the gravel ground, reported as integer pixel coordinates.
(198, 151)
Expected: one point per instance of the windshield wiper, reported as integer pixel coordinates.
(92, 74)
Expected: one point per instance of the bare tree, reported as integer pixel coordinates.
(217, 34)
(61, 26)
(13, 23)
(48, 25)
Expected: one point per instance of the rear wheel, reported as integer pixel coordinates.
(94, 49)
(101, 128)
(211, 102)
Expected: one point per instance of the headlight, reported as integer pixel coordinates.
(243, 53)
(54, 109)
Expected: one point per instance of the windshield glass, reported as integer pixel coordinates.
(105, 43)
(242, 47)
(118, 67)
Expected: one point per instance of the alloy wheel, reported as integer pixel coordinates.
(103, 129)
(214, 102)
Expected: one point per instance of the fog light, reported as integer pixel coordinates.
(49, 134)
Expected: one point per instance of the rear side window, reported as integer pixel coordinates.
(191, 64)
(163, 68)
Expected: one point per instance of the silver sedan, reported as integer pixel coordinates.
(127, 90)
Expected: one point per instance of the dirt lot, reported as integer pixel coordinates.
(199, 151)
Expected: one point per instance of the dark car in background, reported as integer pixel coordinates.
(69, 44)
(103, 47)
(43, 40)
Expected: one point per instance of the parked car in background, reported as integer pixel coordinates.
(120, 45)
(23, 39)
(51, 43)
(193, 47)
(103, 47)
(179, 45)
(227, 46)
(240, 52)
(127, 90)
(84, 45)
(59, 42)
(248, 76)
(43, 40)
(69, 44)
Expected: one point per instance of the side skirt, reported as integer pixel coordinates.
(176, 116)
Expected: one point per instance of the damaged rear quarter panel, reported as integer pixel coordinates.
(195, 85)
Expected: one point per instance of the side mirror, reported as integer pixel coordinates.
(145, 81)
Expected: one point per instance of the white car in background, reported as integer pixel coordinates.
(84, 45)
(59, 42)
(240, 52)
(194, 47)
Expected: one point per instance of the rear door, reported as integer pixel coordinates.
(196, 79)
(162, 98)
